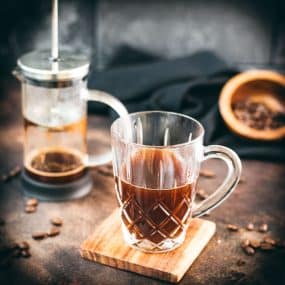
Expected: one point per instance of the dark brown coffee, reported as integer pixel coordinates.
(55, 165)
(157, 199)
(54, 154)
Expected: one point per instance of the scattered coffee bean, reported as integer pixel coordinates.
(201, 194)
(269, 240)
(33, 202)
(254, 243)
(266, 246)
(15, 171)
(23, 245)
(245, 243)
(57, 221)
(250, 227)
(30, 209)
(249, 250)
(207, 173)
(39, 235)
(54, 231)
(25, 253)
(2, 222)
(12, 173)
(263, 228)
(232, 227)
(240, 262)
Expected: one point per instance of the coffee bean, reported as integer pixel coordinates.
(266, 246)
(30, 209)
(232, 227)
(263, 228)
(54, 231)
(239, 114)
(201, 194)
(240, 262)
(15, 171)
(57, 221)
(207, 173)
(12, 173)
(245, 243)
(23, 245)
(249, 250)
(25, 253)
(39, 235)
(250, 227)
(33, 202)
(269, 241)
(254, 243)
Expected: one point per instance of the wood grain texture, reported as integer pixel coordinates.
(106, 246)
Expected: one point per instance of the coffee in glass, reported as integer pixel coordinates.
(156, 160)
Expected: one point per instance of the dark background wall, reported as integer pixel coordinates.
(244, 33)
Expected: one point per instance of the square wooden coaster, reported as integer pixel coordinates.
(106, 246)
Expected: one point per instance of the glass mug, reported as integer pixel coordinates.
(55, 125)
(156, 161)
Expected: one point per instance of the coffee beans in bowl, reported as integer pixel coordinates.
(257, 115)
(252, 104)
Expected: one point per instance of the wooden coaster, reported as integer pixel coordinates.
(107, 246)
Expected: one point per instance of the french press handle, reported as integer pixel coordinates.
(117, 106)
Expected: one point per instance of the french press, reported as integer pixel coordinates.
(54, 105)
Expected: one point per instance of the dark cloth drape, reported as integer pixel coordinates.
(189, 85)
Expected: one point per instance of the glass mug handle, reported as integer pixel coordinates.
(117, 106)
(234, 171)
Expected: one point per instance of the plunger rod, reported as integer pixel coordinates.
(54, 30)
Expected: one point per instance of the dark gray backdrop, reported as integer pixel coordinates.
(245, 33)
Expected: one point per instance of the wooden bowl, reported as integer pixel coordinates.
(263, 86)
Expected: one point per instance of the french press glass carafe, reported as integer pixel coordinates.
(54, 104)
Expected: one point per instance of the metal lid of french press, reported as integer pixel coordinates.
(40, 66)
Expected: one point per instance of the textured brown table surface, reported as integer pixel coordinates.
(57, 260)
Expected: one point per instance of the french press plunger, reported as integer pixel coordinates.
(54, 104)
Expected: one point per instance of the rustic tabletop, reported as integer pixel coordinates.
(258, 199)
